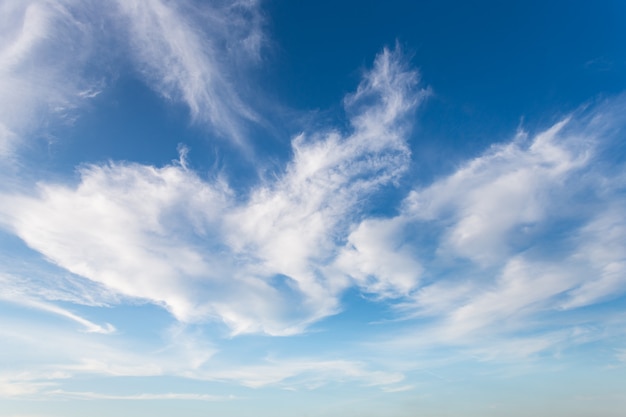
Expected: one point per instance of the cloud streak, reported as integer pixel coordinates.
(186, 51)
(56, 56)
(44, 49)
(53, 309)
(137, 397)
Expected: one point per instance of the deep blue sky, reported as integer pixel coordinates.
(492, 64)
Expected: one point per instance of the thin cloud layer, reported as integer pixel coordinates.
(183, 353)
(56, 56)
(189, 51)
(45, 48)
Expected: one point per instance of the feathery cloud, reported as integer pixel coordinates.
(168, 236)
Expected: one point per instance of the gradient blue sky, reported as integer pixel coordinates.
(312, 208)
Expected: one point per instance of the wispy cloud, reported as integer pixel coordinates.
(303, 374)
(601, 249)
(279, 259)
(137, 397)
(168, 236)
(496, 195)
(45, 47)
(518, 237)
(293, 224)
(25, 301)
(54, 56)
(181, 353)
(190, 52)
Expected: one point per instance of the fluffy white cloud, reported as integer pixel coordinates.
(123, 227)
(379, 259)
(167, 236)
(294, 224)
(279, 259)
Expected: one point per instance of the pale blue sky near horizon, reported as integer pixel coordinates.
(312, 208)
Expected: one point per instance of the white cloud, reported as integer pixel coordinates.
(401, 388)
(9, 389)
(279, 259)
(504, 192)
(67, 352)
(602, 253)
(441, 297)
(44, 49)
(115, 229)
(189, 52)
(167, 236)
(25, 301)
(294, 224)
(32, 281)
(522, 289)
(57, 55)
(516, 240)
(378, 258)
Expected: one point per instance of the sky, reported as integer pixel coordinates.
(312, 208)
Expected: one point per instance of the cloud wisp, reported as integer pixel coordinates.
(57, 56)
(187, 52)
(137, 397)
(495, 259)
(45, 49)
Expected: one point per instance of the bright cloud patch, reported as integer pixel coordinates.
(165, 235)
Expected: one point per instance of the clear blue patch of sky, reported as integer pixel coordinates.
(126, 113)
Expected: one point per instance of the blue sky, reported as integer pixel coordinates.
(278, 208)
